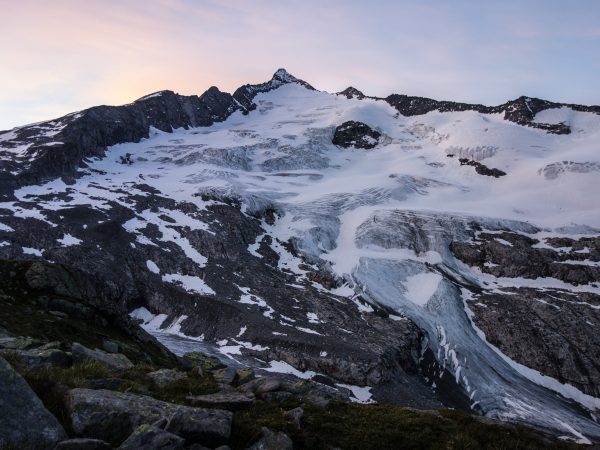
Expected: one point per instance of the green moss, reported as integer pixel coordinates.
(175, 392)
(206, 362)
(353, 426)
(74, 376)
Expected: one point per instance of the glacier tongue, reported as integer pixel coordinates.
(494, 386)
(382, 219)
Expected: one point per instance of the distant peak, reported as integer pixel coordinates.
(284, 76)
(352, 92)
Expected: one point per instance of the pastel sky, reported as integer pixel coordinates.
(65, 55)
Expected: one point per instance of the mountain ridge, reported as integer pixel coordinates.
(87, 133)
(337, 236)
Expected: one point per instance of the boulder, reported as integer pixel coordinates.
(149, 437)
(244, 375)
(295, 416)
(25, 423)
(40, 358)
(110, 346)
(231, 400)
(115, 361)
(272, 441)
(113, 416)
(83, 444)
(202, 426)
(199, 359)
(18, 343)
(265, 385)
(227, 375)
(164, 377)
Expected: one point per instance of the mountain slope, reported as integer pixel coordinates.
(399, 266)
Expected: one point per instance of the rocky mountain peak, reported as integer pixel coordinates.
(284, 76)
(351, 92)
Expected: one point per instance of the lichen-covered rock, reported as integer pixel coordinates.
(199, 359)
(164, 377)
(116, 361)
(113, 416)
(228, 375)
(25, 422)
(211, 427)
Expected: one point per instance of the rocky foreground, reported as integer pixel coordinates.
(73, 375)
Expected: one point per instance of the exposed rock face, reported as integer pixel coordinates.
(513, 255)
(25, 421)
(549, 329)
(245, 94)
(355, 134)
(59, 147)
(482, 169)
(352, 92)
(521, 110)
(553, 332)
(58, 304)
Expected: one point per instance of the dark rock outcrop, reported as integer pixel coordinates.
(355, 134)
(25, 422)
(521, 111)
(351, 92)
(549, 329)
(59, 147)
(513, 255)
(244, 95)
(482, 169)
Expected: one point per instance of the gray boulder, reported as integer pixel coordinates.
(272, 441)
(164, 377)
(295, 416)
(25, 421)
(211, 427)
(37, 358)
(150, 437)
(113, 416)
(116, 361)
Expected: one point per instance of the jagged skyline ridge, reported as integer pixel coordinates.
(113, 53)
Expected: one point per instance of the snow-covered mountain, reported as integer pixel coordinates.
(420, 252)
